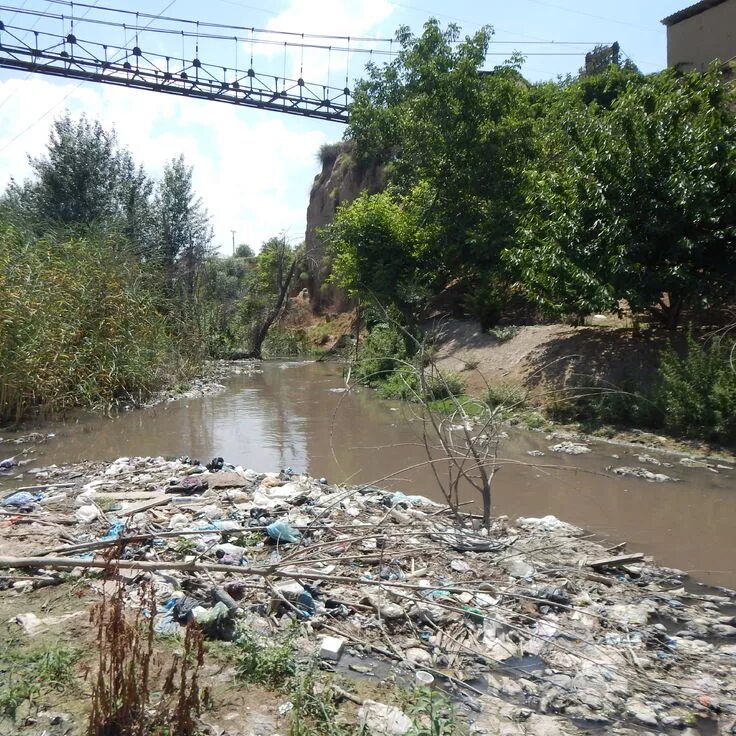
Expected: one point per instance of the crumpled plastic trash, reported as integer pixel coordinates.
(215, 464)
(182, 609)
(282, 531)
(305, 604)
(115, 532)
(87, 514)
(8, 463)
(217, 623)
(23, 498)
(164, 624)
(399, 498)
(189, 485)
(230, 554)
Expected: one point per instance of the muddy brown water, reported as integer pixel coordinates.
(293, 415)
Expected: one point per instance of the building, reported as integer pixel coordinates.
(700, 34)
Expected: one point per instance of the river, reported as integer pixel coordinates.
(294, 415)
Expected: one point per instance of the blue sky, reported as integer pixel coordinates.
(252, 168)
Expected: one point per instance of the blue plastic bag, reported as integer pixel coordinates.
(282, 531)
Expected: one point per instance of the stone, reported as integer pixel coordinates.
(723, 630)
(417, 655)
(648, 459)
(331, 648)
(226, 479)
(383, 720)
(642, 713)
(391, 611)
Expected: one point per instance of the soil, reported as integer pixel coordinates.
(543, 360)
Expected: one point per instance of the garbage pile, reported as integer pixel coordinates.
(532, 626)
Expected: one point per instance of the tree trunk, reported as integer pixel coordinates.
(261, 332)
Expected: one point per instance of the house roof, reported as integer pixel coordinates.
(690, 11)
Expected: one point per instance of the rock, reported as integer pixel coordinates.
(570, 448)
(417, 655)
(562, 681)
(331, 648)
(628, 472)
(691, 462)
(723, 630)
(459, 566)
(391, 611)
(383, 720)
(648, 459)
(517, 567)
(642, 713)
(226, 479)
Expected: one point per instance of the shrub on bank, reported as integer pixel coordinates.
(79, 325)
(698, 393)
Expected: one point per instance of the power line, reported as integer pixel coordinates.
(205, 24)
(54, 106)
(593, 15)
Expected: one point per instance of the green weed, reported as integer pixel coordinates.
(262, 661)
(432, 713)
(29, 674)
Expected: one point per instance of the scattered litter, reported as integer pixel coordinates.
(570, 448)
(564, 628)
(643, 473)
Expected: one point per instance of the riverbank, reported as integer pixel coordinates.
(298, 414)
(532, 628)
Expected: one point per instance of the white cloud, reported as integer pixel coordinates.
(253, 169)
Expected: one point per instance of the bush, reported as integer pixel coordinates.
(507, 395)
(698, 392)
(328, 152)
(382, 353)
(80, 325)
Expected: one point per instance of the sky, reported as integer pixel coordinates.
(254, 168)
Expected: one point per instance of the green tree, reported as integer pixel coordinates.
(184, 230)
(268, 285)
(635, 202)
(85, 180)
(376, 247)
(244, 251)
(454, 138)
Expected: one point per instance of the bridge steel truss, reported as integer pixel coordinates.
(73, 58)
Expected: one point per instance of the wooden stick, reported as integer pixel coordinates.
(617, 561)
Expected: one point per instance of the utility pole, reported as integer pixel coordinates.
(233, 232)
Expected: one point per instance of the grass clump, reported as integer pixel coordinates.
(504, 334)
(263, 661)
(27, 675)
(81, 325)
(509, 397)
(386, 364)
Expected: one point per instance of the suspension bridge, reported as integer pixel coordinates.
(93, 43)
(234, 64)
